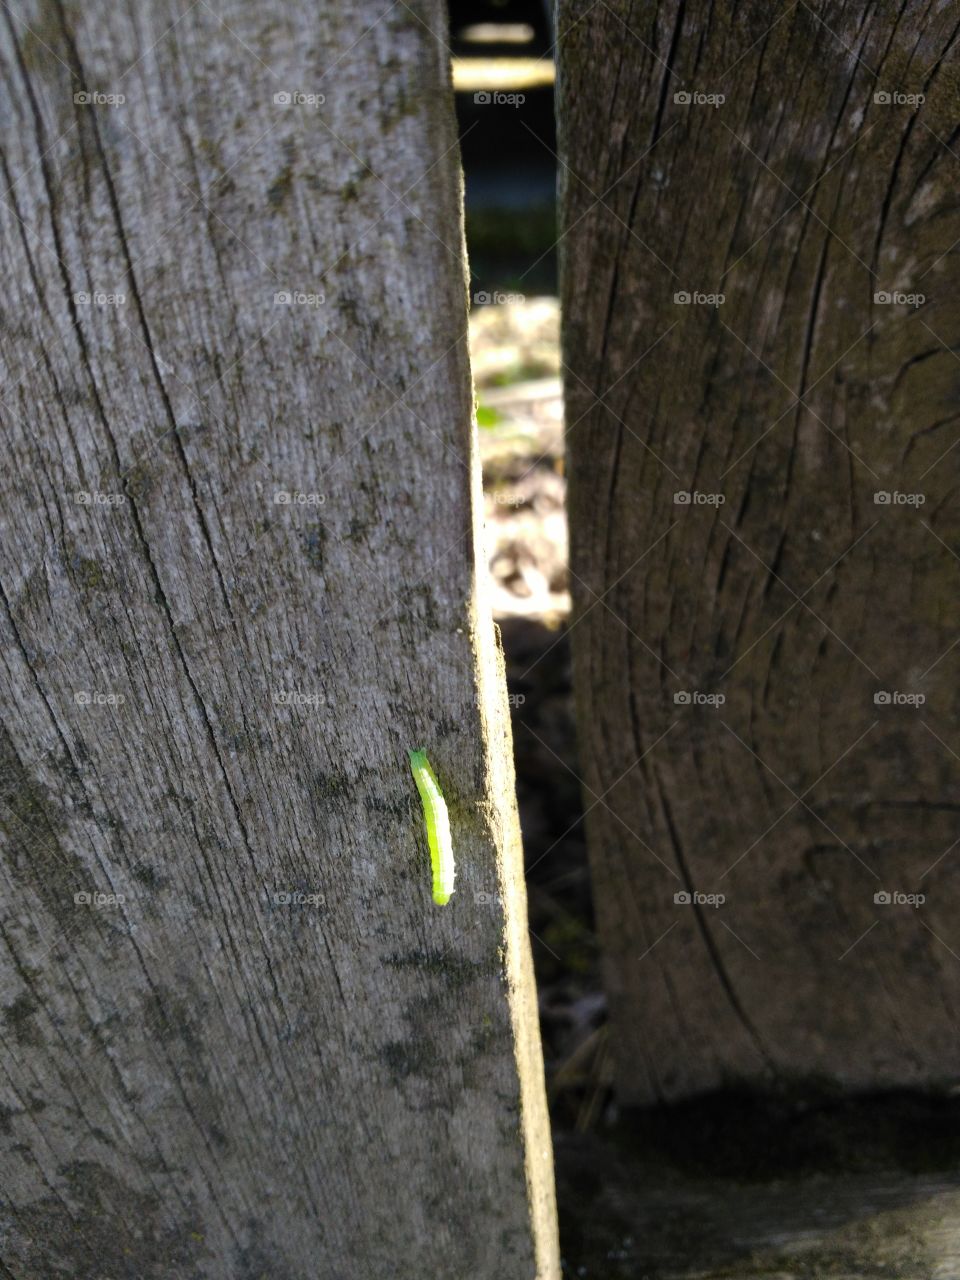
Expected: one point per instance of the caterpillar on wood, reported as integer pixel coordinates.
(438, 827)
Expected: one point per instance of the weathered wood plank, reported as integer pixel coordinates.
(779, 159)
(268, 1053)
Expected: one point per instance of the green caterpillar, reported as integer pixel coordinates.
(438, 827)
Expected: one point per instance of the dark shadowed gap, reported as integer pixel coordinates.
(503, 75)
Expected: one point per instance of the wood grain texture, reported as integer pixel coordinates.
(261, 1050)
(783, 586)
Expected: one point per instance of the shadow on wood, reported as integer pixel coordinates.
(731, 1187)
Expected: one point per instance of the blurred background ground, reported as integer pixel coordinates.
(510, 178)
(515, 348)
